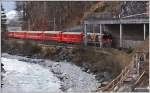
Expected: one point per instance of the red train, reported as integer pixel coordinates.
(57, 36)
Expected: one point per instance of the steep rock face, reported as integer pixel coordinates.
(131, 8)
(125, 8)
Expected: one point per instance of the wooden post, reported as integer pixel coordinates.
(120, 35)
(138, 70)
(100, 37)
(144, 54)
(85, 35)
(137, 62)
(144, 31)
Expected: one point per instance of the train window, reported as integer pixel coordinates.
(71, 36)
(51, 35)
(34, 34)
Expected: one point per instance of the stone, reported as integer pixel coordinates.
(107, 75)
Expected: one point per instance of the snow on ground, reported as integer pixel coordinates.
(27, 77)
(48, 76)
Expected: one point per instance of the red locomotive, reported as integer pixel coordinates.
(107, 40)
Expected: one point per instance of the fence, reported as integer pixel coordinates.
(116, 83)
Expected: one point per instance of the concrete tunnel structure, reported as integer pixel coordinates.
(126, 32)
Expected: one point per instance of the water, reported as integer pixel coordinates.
(22, 75)
(27, 77)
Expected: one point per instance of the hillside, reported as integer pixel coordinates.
(63, 12)
(50, 15)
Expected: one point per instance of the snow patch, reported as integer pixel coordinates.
(45, 76)
(27, 77)
(12, 14)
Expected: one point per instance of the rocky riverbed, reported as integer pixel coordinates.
(104, 64)
(27, 74)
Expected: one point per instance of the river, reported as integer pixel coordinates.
(31, 77)
(22, 76)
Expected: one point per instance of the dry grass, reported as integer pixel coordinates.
(101, 60)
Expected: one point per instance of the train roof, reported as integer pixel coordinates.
(72, 32)
(34, 31)
(17, 31)
(52, 31)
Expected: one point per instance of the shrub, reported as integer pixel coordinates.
(35, 49)
(30, 49)
(48, 52)
(130, 50)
